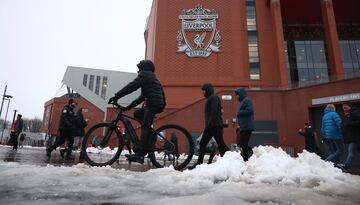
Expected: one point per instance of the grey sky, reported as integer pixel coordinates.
(40, 38)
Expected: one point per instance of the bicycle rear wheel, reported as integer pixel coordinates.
(106, 147)
(173, 147)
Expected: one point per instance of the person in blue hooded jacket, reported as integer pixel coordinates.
(332, 133)
(245, 118)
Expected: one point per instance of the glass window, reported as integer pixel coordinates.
(252, 40)
(350, 55)
(254, 71)
(85, 78)
(307, 60)
(91, 82)
(103, 87)
(97, 85)
(300, 53)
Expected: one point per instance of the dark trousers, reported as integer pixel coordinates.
(64, 134)
(14, 140)
(217, 133)
(244, 143)
(146, 115)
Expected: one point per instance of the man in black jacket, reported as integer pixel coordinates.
(66, 129)
(310, 141)
(153, 95)
(213, 123)
(351, 133)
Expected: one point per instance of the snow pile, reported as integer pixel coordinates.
(269, 177)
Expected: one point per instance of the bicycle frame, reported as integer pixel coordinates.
(131, 135)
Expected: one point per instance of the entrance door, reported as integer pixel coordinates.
(316, 114)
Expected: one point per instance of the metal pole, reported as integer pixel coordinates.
(7, 109)
(2, 102)
(14, 117)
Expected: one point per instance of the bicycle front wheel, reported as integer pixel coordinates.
(173, 147)
(102, 145)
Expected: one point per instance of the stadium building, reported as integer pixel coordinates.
(292, 57)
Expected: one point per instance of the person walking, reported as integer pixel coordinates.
(309, 135)
(152, 94)
(213, 123)
(80, 124)
(332, 133)
(66, 129)
(245, 118)
(351, 133)
(17, 128)
(22, 138)
(78, 133)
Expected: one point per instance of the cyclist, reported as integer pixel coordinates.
(153, 95)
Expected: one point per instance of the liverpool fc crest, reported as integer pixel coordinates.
(198, 36)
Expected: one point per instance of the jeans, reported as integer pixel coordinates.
(352, 149)
(336, 148)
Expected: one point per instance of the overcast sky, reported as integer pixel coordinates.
(40, 38)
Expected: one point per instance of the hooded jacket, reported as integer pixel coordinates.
(331, 125)
(245, 112)
(151, 89)
(212, 107)
(351, 126)
(67, 118)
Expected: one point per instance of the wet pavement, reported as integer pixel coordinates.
(37, 156)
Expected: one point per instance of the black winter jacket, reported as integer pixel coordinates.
(67, 118)
(212, 108)
(80, 124)
(151, 90)
(310, 143)
(351, 126)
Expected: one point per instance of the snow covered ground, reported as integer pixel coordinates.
(269, 177)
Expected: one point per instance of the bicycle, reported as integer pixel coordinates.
(110, 142)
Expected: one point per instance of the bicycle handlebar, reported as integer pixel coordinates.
(118, 106)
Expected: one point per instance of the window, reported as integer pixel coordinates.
(85, 79)
(91, 82)
(306, 61)
(97, 85)
(254, 61)
(350, 53)
(103, 87)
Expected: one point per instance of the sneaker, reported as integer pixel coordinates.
(343, 167)
(62, 153)
(48, 152)
(135, 158)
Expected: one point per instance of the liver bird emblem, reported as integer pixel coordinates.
(198, 40)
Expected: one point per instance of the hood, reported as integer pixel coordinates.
(208, 88)
(146, 65)
(241, 93)
(327, 110)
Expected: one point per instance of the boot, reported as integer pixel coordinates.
(135, 158)
(48, 152)
(62, 153)
(70, 157)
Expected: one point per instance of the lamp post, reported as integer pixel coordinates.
(6, 97)
(2, 102)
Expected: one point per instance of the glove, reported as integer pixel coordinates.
(113, 100)
(126, 108)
